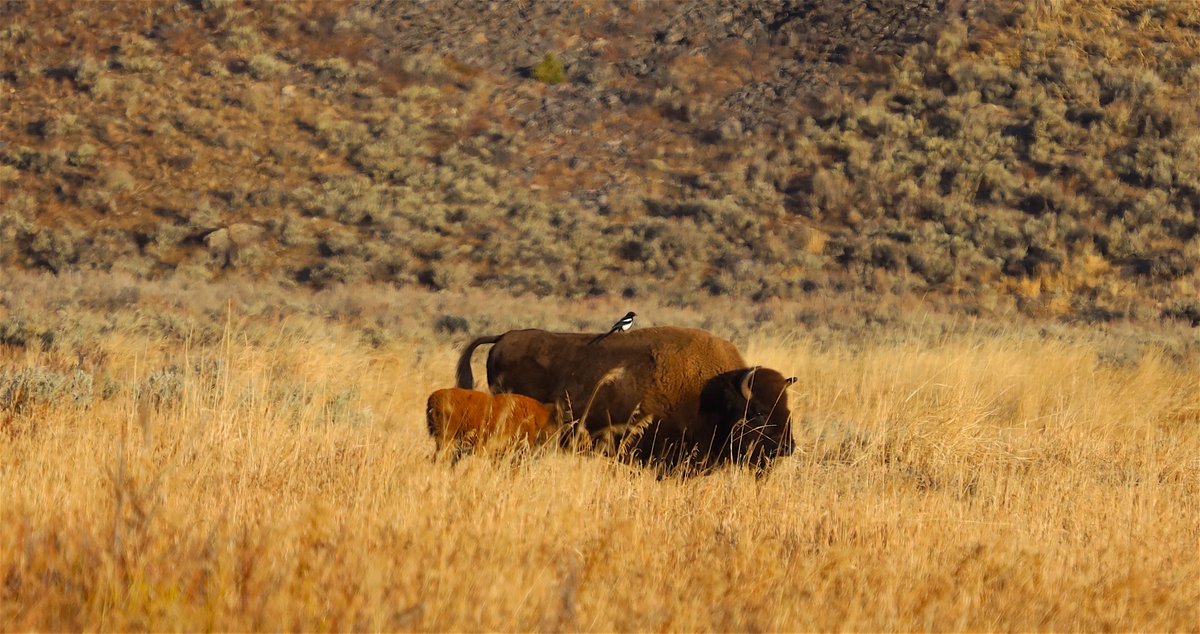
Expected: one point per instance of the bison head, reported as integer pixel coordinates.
(749, 416)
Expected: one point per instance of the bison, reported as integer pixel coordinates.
(685, 398)
(461, 420)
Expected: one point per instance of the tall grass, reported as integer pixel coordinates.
(277, 475)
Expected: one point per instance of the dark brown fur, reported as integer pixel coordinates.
(665, 372)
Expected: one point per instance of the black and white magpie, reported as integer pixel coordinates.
(622, 325)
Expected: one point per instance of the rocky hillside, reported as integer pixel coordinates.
(986, 155)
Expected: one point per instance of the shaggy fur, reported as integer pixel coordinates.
(464, 420)
(664, 372)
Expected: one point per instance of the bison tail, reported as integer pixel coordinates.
(463, 376)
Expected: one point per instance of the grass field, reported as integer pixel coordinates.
(219, 458)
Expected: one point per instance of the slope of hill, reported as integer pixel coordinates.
(983, 154)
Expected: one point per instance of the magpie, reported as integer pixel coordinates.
(623, 325)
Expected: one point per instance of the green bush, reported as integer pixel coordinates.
(550, 70)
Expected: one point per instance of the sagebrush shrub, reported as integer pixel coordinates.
(28, 386)
(550, 70)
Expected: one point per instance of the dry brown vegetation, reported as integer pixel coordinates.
(992, 155)
(970, 230)
(231, 456)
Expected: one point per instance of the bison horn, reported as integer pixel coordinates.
(746, 383)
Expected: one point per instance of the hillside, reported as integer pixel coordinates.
(979, 155)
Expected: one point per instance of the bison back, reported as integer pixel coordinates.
(663, 370)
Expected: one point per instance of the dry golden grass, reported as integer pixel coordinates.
(283, 481)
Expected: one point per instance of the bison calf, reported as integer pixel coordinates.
(462, 420)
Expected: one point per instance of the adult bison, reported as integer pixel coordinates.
(685, 397)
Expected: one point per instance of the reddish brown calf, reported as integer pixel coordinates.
(464, 420)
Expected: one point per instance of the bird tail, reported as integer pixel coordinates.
(599, 338)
